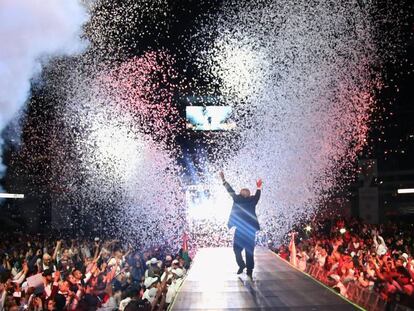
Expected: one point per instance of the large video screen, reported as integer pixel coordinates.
(209, 118)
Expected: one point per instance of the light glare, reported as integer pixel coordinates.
(405, 191)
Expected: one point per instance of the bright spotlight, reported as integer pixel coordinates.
(211, 203)
(11, 196)
(308, 228)
(342, 230)
(405, 191)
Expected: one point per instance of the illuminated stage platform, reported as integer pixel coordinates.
(212, 284)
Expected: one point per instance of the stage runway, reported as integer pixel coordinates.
(212, 284)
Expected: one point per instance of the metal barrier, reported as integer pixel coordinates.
(362, 296)
(356, 293)
(399, 307)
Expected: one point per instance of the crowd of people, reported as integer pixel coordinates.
(375, 257)
(38, 273)
(41, 273)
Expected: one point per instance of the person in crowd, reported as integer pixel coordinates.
(176, 280)
(153, 268)
(350, 253)
(83, 275)
(46, 263)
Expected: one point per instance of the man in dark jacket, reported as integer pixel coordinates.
(243, 217)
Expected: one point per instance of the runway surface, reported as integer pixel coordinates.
(212, 284)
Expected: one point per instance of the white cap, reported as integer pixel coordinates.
(178, 272)
(149, 281)
(150, 294)
(153, 261)
(25, 285)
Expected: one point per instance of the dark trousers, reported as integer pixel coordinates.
(244, 239)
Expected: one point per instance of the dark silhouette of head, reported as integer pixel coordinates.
(245, 193)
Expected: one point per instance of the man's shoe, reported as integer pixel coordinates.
(250, 274)
(240, 271)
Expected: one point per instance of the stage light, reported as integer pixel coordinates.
(308, 228)
(342, 230)
(11, 196)
(405, 191)
(215, 206)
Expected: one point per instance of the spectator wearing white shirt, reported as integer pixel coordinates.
(177, 279)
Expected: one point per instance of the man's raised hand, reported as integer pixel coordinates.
(259, 183)
(221, 174)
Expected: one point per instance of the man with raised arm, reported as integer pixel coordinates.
(243, 217)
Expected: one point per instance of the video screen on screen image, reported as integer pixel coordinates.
(209, 118)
